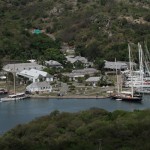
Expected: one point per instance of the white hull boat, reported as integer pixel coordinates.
(14, 97)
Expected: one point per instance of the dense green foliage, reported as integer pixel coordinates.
(98, 28)
(118, 130)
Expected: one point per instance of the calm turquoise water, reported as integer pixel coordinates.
(13, 113)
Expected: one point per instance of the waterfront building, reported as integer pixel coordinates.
(73, 76)
(39, 87)
(112, 66)
(93, 80)
(89, 71)
(80, 73)
(35, 75)
(18, 67)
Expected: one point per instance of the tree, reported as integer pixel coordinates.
(147, 18)
(65, 79)
(80, 79)
(54, 54)
(40, 43)
(78, 65)
(100, 63)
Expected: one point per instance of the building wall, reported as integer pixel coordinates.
(40, 89)
(49, 79)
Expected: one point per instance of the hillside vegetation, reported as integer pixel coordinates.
(86, 130)
(99, 29)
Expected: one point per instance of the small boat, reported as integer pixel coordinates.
(14, 97)
(118, 99)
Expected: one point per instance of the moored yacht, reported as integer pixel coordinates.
(127, 96)
(138, 84)
(14, 97)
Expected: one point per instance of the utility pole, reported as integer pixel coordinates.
(100, 144)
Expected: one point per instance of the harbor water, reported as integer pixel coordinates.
(14, 113)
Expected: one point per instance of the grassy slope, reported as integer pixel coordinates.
(97, 28)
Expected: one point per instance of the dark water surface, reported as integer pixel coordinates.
(13, 113)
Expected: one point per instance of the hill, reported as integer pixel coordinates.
(86, 130)
(98, 29)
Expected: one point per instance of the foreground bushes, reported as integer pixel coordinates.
(118, 130)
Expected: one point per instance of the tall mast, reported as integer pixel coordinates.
(139, 55)
(141, 63)
(14, 74)
(142, 69)
(117, 77)
(131, 68)
(146, 58)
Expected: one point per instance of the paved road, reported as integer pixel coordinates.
(63, 88)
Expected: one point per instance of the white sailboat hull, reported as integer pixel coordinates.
(14, 97)
(11, 99)
(138, 84)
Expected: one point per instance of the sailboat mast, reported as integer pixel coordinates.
(131, 68)
(14, 74)
(139, 56)
(117, 77)
(141, 64)
(146, 58)
(142, 69)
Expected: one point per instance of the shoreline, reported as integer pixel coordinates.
(69, 97)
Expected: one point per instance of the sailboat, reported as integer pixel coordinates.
(118, 94)
(140, 80)
(15, 96)
(145, 81)
(129, 96)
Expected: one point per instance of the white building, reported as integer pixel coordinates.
(109, 65)
(93, 80)
(76, 59)
(42, 87)
(22, 66)
(31, 60)
(89, 71)
(35, 75)
(73, 76)
(53, 63)
(80, 73)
